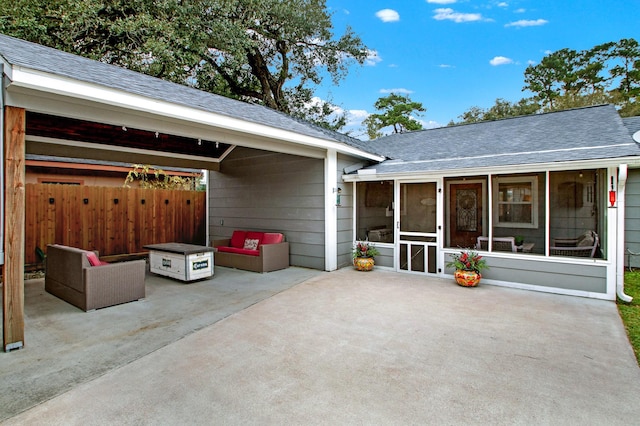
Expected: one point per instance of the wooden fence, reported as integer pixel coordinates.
(111, 220)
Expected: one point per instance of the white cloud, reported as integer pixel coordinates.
(430, 124)
(388, 15)
(372, 58)
(441, 1)
(393, 65)
(500, 60)
(399, 90)
(503, 4)
(521, 10)
(355, 117)
(446, 66)
(527, 23)
(442, 14)
(531, 62)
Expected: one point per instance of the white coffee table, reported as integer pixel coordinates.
(185, 262)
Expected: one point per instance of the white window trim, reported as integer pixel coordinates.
(533, 180)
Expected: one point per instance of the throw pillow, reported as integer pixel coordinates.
(250, 244)
(93, 259)
(237, 238)
(586, 240)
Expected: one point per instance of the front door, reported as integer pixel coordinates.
(465, 214)
(418, 235)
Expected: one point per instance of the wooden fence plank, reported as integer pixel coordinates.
(110, 228)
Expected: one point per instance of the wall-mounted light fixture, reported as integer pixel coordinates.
(338, 192)
(612, 194)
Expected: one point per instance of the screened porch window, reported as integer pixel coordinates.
(577, 213)
(517, 220)
(374, 211)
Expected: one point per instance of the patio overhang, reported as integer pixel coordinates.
(101, 113)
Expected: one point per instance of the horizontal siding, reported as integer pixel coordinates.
(345, 214)
(264, 191)
(582, 277)
(385, 258)
(632, 219)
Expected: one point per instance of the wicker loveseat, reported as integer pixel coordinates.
(586, 245)
(71, 277)
(252, 251)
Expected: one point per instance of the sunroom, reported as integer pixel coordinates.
(547, 212)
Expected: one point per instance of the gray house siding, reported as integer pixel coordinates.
(589, 278)
(386, 256)
(266, 191)
(632, 219)
(345, 214)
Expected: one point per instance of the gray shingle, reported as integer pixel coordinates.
(632, 123)
(37, 57)
(571, 135)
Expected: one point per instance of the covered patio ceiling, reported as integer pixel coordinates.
(63, 136)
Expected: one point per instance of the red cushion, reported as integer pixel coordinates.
(272, 238)
(239, 251)
(93, 259)
(237, 239)
(251, 235)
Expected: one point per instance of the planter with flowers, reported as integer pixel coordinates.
(469, 265)
(363, 252)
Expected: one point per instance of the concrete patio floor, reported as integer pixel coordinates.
(65, 346)
(358, 348)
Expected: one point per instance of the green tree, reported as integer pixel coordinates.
(272, 52)
(627, 72)
(554, 76)
(501, 109)
(397, 113)
(569, 79)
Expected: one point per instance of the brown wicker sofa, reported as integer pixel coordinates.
(252, 251)
(70, 276)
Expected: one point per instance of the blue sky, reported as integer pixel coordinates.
(451, 55)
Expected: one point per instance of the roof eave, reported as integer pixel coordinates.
(27, 78)
(632, 162)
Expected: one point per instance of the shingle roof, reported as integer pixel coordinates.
(37, 57)
(578, 134)
(632, 123)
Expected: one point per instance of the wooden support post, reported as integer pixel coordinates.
(14, 229)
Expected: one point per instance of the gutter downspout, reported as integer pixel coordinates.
(622, 182)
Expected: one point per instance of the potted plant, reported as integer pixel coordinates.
(469, 265)
(363, 252)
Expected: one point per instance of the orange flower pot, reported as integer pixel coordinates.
(467, 278)
(363, 263)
